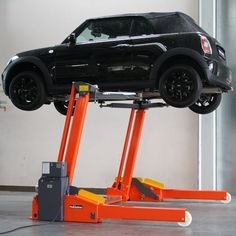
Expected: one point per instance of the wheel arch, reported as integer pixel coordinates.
(28, 64)
(179, 56)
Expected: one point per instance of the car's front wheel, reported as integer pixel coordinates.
(180, 86)
(206, 103)
(27, 91)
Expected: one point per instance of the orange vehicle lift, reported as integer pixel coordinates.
(85, 206)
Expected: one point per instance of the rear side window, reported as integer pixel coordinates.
(105, 29)
(174, 24)
(141, 26)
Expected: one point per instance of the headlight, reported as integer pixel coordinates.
(12, 59)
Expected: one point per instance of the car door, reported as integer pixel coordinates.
(114, 64)
(100, 55)
(111, 57)
(146, 49)
(73, 63)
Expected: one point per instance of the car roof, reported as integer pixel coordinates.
(183, 22)
(148, 15)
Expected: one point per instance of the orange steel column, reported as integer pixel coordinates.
(141, 213)
(67, 124)
(133, 150)
(127, 138)
(75, 134)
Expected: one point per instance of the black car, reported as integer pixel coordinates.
(162, 55)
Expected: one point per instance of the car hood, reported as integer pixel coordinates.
(36, 52)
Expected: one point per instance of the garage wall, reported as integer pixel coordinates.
(168, 150)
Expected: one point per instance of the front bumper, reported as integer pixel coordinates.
(219, 75)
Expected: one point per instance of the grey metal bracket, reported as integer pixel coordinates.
(144, 190)
(135, 105)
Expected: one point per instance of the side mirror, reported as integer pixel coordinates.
(72, 39)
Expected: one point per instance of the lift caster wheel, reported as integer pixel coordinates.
(228, 199)
(188, 220)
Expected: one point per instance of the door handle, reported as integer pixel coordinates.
(121, 46)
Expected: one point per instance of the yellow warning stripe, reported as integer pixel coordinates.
(91, 196)
(153, 183)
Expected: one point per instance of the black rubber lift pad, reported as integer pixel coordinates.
(144, 190)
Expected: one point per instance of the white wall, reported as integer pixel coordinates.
(168, 150)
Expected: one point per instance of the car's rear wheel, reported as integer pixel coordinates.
(180, 86)
(27, 91)
(62, 106)
(206, 103)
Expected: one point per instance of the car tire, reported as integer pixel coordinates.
(207, 103)
(62, 106)
(27, 91)
(180, 86)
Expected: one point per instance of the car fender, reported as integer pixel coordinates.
(32, 60)
(155, 47)
(180, 52)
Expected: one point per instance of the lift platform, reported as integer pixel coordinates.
(85, 206)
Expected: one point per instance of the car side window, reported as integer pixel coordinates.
(141, 26)
(105, 29)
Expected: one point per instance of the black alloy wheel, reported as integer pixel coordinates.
(207, 103)
(27, 91)
(180, 86)
(62, 106)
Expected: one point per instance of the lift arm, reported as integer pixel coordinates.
(84, 206)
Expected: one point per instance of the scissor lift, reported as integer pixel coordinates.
(84, 206)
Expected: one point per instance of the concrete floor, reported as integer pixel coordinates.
(208, 219)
